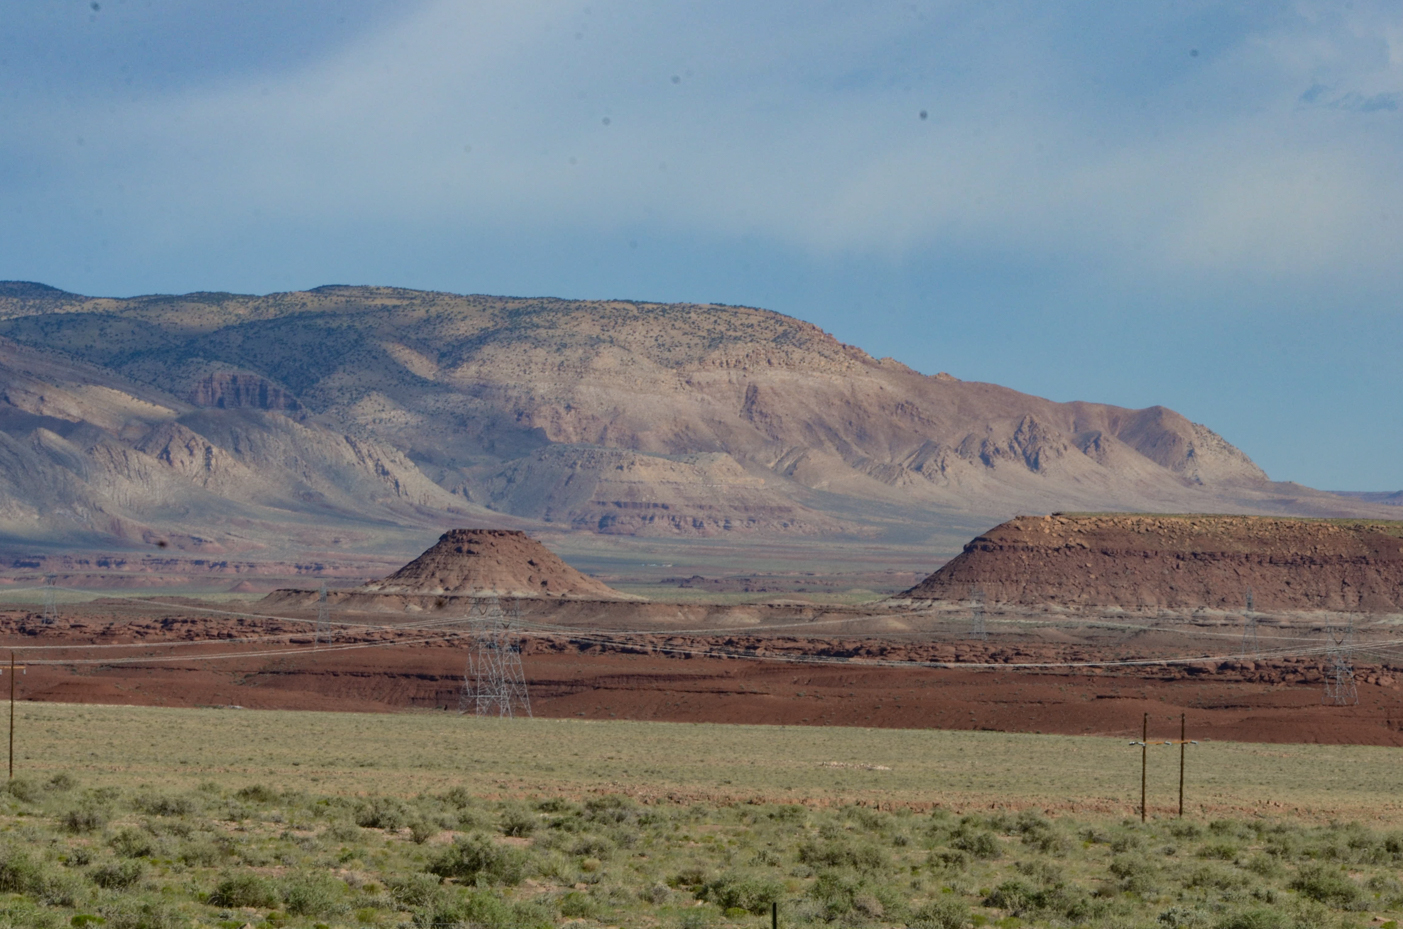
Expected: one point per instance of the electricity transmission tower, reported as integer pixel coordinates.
(494, 684)
(323, 629)
(1340, 688)
(50, 600)
(978, 631)
(1249, 630)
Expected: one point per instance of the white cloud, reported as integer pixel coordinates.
(796, 123)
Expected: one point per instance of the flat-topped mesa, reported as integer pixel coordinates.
(493, 563)
(1179, 563)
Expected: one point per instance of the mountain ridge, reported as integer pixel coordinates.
(375, 405)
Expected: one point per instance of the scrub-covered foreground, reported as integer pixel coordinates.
(126, 857)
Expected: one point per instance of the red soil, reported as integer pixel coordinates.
(1277, 701)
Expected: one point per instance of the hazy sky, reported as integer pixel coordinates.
(1188, 203)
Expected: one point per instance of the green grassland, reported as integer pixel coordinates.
(135, 817)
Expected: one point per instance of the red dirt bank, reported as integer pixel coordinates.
(571, 676)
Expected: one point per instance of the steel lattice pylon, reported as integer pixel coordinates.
(323, 629)
(978, 630)
(494, 684)
(1250, 647)
(1340, 687)
(50, 600)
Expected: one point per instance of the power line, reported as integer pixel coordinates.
(50, 601)
(978, 631)
(1340, 687)
(1249, 629)
(323, 627)
(494, 683)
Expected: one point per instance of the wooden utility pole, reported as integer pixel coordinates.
(1183, 742)
(1144, 745)
(12, 713)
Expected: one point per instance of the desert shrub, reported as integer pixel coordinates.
(578, 905)
(56, 889)
(611, 809)
(84, 819)
(518, 822)
(556, 805)
(978, 843)
(835, 893)
(256, 793)
(244, 889)
(165, 806)
(421, 830)
(1263, 865)
(944, 912)
(1013, 895)
(1183, 829)
(1136, 874)
(1040, 834)
(342, 831)
(24, 790)
(1328, 885)
(1257, 918)
(117, 875)
(130, 915)
(863, 857)
(204, 853)
(735, 891)
(1216, 877)
(869, 819)
(311, 894)
(18, 872)
(692, 877)
(789, 813)
(485, 911)
(414, 890)
(382, 813)
(61, 782)
(1126, 842)
(477, 856)
(1391, 846)
(1183, 917)
(948, 859)
(458, 797)
(132, 843)
(1221, 851)
(591, 845)
(79, 857)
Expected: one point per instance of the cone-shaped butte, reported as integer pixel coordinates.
(493, 563)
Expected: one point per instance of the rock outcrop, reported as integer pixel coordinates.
(1180, 563)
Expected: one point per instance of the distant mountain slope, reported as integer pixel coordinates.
(89, 458)
(612, 417)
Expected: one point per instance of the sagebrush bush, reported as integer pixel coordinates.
(475, 857)
(118, 875)
(741, 891)
(244, 889)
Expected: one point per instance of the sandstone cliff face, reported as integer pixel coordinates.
(611, 417)
(1179, 563)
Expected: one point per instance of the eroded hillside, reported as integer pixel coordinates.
(608, 417)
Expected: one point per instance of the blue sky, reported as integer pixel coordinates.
(1188, 203)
